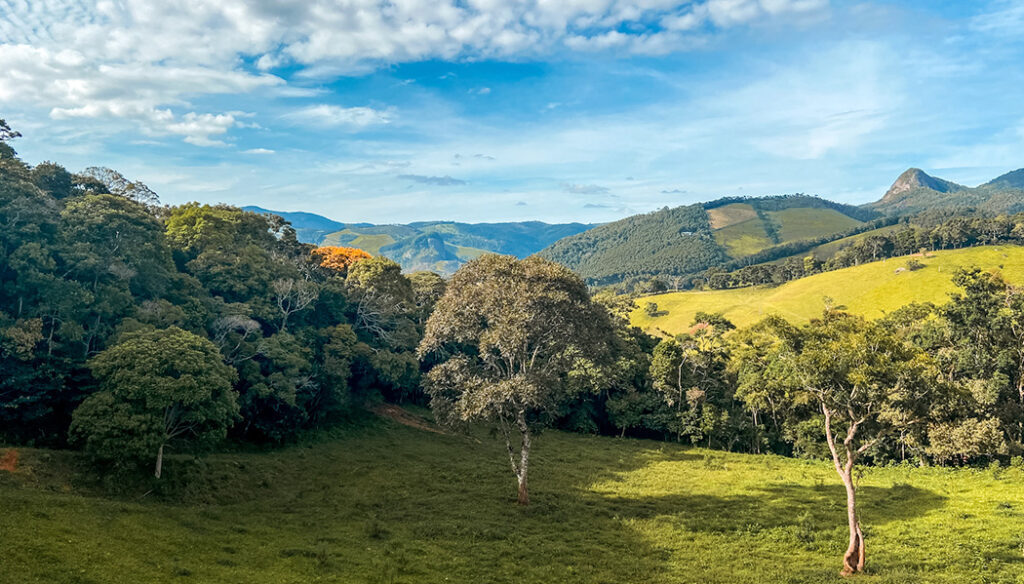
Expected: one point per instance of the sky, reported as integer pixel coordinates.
(509, 110)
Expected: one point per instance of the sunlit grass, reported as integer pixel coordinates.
(871, 290)
(384, 503)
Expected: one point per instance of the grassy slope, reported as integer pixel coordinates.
(744, 238)
(809, 223)
(827, 250)
(869, 289)
(393, 504)
(741, 232)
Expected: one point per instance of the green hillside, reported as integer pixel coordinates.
(870, 289)
(687, 240)
(392, 504)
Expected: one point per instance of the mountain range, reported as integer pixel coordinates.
(669, 242)
(439, 246)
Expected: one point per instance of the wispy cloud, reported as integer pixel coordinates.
(584, 189)
(335, 116)
(441, 181)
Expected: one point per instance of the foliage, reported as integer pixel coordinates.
(507, 333)
(157, 389)
(338, 259)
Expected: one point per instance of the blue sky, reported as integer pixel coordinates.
(491, 110)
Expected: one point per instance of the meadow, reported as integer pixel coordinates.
(385, 503)
(871, 290)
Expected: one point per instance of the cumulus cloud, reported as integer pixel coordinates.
(333, 116)
(144, 61)
(441, 181)
(579, 189)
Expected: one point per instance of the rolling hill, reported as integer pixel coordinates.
(869, 289)
(440, 246)
(690, 239)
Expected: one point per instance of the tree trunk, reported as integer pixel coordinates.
(853, 560)
(159, 461)
(524, 459)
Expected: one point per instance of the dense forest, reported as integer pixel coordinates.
(97, 279)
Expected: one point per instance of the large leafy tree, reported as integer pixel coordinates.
(156, 389)
(507, 333)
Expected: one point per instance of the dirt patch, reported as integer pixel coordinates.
(393, 412)
(9, 460)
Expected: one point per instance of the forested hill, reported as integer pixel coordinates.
(687, 240)
(439, 246)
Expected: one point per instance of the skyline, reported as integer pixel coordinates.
(485, 111)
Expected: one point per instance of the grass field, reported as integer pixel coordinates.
(744, 238)
(741, 232)
(870, 289)
(731, 214)
(810, 223)
(384, 503)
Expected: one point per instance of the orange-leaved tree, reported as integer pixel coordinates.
(338, 259)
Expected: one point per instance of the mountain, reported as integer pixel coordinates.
(1010, 180)
(915, 178)
(687, 240)
(439, 246)
(916, 191)
(309, 227)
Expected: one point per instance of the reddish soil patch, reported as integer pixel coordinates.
(9, 461)
(393, 412)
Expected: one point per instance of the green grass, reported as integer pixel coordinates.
(744, 238)
(731, 214)
(810, 223)
(391, 504)
(870, 289)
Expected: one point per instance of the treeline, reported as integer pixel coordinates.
(111, 305)
(733, 389)
(928, 233)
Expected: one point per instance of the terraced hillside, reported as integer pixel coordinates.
(870, 289)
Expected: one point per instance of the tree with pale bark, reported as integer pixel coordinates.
(863, 382)
(507, 334)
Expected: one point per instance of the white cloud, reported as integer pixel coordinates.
(334, 116)
(144, 61)
(258, 151)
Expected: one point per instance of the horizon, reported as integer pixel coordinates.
(484, 113)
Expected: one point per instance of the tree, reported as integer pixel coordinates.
(117, 184)
(507, 332)
(6, 133)
(867, 384)
(338, 259)
(156, 388)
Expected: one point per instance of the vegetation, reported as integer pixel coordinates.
(511, 336)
